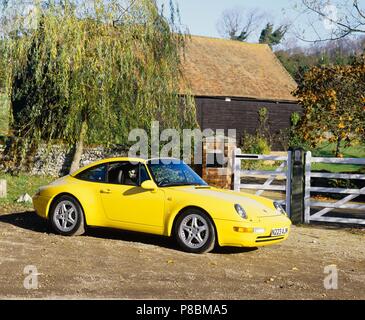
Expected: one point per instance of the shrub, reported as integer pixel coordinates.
(254, 144)
(258, 143)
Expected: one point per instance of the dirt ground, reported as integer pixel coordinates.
(124, 265)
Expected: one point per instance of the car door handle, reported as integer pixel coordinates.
(105, 191)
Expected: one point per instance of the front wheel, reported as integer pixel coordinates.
(67, 217)
(195, 232)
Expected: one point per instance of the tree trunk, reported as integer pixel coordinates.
(75, 165)
(338, 146)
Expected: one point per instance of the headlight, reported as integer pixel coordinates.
(240, 211)
(279, 207)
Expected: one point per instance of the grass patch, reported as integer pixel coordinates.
(328, 150)
(4, 114)
(337, 168)
(17, 185)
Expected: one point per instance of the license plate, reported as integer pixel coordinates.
(279, 232)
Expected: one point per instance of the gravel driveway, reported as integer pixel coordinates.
(118, 264)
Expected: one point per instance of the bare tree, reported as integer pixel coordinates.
(331, 20)
(239, 24)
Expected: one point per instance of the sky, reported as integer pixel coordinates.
(201, 16)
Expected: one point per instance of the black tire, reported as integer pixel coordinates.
(182, 235)
(77, 215)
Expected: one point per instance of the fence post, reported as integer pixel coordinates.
(307, 195)
(288, 183)
(3, 191)
(297, 185)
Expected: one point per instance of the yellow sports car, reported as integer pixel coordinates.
(160, 196)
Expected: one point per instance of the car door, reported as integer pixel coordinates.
(127, 204)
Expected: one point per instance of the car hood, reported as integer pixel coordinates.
(252, 204)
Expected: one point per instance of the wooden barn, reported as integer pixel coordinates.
(232, 80)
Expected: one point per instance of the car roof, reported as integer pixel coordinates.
(107, 160)
(117, 159)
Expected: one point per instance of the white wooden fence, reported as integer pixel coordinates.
(284, 171)
(330, 206)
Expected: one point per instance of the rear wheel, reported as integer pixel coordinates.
(195, 232)
(67, 217)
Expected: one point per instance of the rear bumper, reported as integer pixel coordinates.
(40, 204)
(227, 236)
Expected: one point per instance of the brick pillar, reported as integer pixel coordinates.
(214, 174)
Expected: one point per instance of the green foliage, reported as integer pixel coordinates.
(294, 119)
(99, 67)
(4, 115)
(240, 37)
(295, 135)
(296, 64)
(263, 129)
(2, 65)
(254, 144)
(272, 37)
(258, 143)
(298, 61)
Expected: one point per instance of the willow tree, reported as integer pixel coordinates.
(2, 65)
(92, 72)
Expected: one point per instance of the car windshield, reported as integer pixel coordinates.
(167, 172)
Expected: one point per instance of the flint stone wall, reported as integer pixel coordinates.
(56, 160)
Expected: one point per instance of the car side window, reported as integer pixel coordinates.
(126, 173)
(115, 172)
(94, 174)
(143, 174)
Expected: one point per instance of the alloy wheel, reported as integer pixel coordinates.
(194, 231)
(65, 216)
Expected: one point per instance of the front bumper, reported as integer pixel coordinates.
(40, 204)
(227, 236)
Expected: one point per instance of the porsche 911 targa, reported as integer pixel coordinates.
(160, 196)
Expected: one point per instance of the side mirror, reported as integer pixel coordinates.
(149, 185)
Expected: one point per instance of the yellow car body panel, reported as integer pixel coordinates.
(136, 209)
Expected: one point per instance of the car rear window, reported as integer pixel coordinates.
(94, 174)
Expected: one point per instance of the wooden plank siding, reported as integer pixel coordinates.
(242, 115)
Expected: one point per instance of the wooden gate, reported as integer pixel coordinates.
(284, 170)
(328, 206)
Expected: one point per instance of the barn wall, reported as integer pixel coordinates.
(242, 115)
